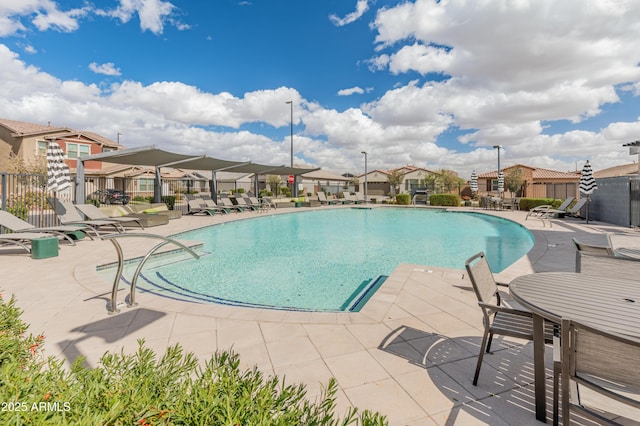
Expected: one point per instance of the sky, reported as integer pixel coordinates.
(432, 84)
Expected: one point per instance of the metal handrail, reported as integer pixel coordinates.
(113, 309)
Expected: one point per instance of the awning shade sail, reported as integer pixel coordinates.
(156, 157)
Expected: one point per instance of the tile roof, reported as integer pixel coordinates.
(538, 173)
(24, 128)
(621, 170)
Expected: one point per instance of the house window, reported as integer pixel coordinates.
(145, 184)
(41, 148)
(494, 184)
(107, 149)
(75, 150)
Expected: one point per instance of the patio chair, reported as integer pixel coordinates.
(497, 319)
(604, 362)
(15, 224)
(591, 248)
(68, 215)
(94, 213)
(605, 265)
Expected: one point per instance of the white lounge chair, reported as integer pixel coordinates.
(15, 224)
(94, 213)
(23, 239)
(547, 209)
(69, 215)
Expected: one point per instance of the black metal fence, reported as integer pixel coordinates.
(26, 195)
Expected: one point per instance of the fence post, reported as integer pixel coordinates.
(4, 191)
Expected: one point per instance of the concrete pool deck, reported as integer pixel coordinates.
(409, 354)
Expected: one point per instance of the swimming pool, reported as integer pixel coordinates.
(327, 260)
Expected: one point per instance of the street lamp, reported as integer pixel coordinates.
(498, 147)
(293, 185)
(365, 177)
(291, 125)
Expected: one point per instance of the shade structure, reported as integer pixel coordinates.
(474, 181)
(57, 170)
(500, 182)
(587, 185)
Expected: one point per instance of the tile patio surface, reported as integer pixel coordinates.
(410, 353)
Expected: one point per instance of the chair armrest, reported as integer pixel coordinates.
(497, 308)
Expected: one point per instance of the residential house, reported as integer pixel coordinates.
(28, 141)
(537, 182)
(378, 180)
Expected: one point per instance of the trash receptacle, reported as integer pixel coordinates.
(42, 248)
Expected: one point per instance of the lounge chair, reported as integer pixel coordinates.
(25, 239)
(497, 318)
(152, 208)
(243, 203)
(69, 215)
(575, 210)
(94, 213)
(322, 197)
(210, 204)
(602, 362)
(226, 202)
(68, 232)
(262, 205)
(546, 209)
(197, 206)
(346, 198)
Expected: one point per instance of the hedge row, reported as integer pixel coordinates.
(144, 389)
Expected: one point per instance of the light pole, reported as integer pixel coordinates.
(291, 126)
(293, 185)
(498, 148)
(366, 200)
(118, 137)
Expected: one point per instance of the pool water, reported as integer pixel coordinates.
(322, 260)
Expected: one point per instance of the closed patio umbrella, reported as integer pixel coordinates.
(587, 184)
(57, 170)
(474, 182)
(500, 182)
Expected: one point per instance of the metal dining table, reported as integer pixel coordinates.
(599, 301)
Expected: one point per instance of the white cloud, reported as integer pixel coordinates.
(43, 14)
(153, 14)
(361, 7)
(106, 68)
(351, 91)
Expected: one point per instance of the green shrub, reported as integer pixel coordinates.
(529, 203)
(403, 199)
(144, 389)
(373, 200)
(240, 190)
(19, 211)
(452, 200)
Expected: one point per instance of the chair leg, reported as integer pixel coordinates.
(481, 355)
(489, 342)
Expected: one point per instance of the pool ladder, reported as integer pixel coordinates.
(113, 308)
